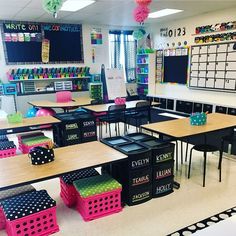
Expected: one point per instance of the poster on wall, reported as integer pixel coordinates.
(96, 36)
(30, 43)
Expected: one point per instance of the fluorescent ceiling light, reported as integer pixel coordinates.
(75, 5)
(163, 12)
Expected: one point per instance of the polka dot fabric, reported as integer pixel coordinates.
(27, 204)
(81, 174)
(40, 155)
(205, 223)
(7, 145)
(16, 191)
(3, 138)
(96, 185)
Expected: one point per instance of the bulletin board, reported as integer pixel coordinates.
(24, 42)
(176, 66)
(115, 82)
(213, 67)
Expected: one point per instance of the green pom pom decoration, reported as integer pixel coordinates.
(138, 34)
(52, 6)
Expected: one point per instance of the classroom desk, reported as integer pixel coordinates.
(28, 124)
(104, 107)
(181, 128)
(77, 102)
(16, 171)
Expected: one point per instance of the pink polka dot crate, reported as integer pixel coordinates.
(6, 194)
(30, 214)
(68, 192)
(98, 196)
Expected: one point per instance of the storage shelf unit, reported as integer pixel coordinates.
(159, 65)
(145, 73)
(50, 85)
(213, 67)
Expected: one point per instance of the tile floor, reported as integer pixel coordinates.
(160, 216)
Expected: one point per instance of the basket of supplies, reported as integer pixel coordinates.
(198, 118)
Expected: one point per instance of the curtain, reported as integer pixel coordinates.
(123, 51)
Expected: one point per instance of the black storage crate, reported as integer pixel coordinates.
(221, 109)
(197, 107)
(137, 136)
(138, 195)
(180, 106)
(161, 151)
(232, 111)
(162, 187)
(170, 104)
(132, 178)
(115, 141)
(163, 102)
(207, 108)
(138, 155)
(163, 170)
(75, 127)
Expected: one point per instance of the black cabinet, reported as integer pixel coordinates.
(232, 111)
(197, 107)
(207, 108)
(221, 109)
(163, 102)
(170, 104)
(180, 106)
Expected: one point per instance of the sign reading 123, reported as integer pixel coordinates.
(177, 32)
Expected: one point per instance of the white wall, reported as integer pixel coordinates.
(181, 91)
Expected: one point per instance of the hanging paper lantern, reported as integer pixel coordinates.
(138, 34)
(140, 13)
(52, 6)
(143, 2)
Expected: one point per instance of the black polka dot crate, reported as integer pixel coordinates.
(41, 155)
(68, 192)
(9, 194)
(30, 214)
(7, 149)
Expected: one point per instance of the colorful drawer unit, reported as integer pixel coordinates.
(162, 187)
(30, 214)
(7, 149)
(68, 192)
(98, 196)
(7, 194)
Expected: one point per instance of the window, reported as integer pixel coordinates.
(123, 50)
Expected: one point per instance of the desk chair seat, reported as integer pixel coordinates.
(205, 148)
(115, 115)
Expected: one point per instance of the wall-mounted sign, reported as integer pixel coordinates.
(175, 32)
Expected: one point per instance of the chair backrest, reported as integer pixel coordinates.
(96, 102)
(63, 96)
(117, 111)
(143, 106)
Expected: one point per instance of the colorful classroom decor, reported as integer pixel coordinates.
(198, 118)
(52, 6)
(141, 12)
(215, 38)
(96, 36)
(45, 112)
(15, 118)
(31, 112)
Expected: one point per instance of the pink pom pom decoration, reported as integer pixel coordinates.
(141, 13)
(143, 2)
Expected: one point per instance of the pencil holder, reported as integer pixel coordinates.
(198, 119)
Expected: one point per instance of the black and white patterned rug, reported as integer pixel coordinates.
(204, 223)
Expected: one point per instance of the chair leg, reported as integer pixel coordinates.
(204, 169)
(110, 129)
(106, 127)
(136, 120)
(181, 152)
(220, 159)
(186, 154)
(190, 162)
(177, 156)
(119, 128)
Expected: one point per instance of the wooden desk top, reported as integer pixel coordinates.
(181, 128)
(18, 170)
(77, 102)
(104, 107)
(28, 122)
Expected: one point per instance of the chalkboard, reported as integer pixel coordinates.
(175, 69)
(23, 42)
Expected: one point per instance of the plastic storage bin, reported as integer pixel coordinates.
(163, 170)
(162, 187)
(68, 192)
(115, 141)
(7, 149)
(137, 136)
(98, 196)
(39, 219)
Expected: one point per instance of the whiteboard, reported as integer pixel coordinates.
(115, 83)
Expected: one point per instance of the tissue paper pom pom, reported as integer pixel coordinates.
(52, 6)
(143, 2)
(138, 34)
(141, 13)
